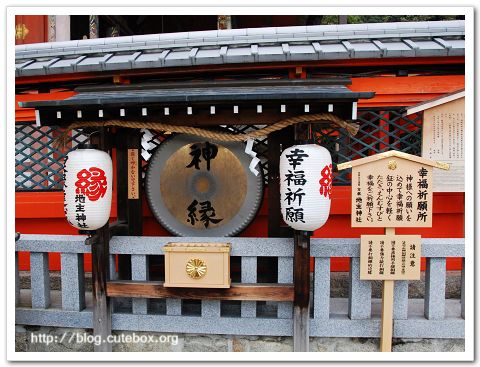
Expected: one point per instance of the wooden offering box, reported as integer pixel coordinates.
(197, 265)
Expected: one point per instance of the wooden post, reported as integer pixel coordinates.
(129, 208)
(301, 269)
(301, 299)
(124, 266)
(102, 326)
(134, 198)
(387, 309)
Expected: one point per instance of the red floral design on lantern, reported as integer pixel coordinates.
(326, 181)
(92, 183)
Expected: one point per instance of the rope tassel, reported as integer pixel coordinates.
(352, 128)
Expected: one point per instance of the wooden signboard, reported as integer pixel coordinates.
(392, 192)
(443, 138)
(133, 174)
(391, 189)
(390, 257)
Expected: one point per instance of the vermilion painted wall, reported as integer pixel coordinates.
(43, 212)
(35, 28)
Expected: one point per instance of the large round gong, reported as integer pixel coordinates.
(201, 187)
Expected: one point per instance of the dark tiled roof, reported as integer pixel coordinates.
(219, 92)
(251, 45)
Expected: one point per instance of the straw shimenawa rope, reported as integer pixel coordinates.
(352, 128)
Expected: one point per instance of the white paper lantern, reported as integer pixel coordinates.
(305, 186)
(87, 189)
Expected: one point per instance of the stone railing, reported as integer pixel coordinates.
(355, 316)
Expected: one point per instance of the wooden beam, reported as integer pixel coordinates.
(237, 292)
(201, 116)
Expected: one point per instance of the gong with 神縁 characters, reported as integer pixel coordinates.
(200, 187)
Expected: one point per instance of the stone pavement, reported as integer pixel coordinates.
(219, 343)
(224, 343)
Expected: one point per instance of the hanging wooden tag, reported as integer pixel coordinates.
(133, 174)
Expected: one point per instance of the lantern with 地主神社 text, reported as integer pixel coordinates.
(87, 188)
(305, 186)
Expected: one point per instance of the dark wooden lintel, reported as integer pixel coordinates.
(201, 113)
(237, 292)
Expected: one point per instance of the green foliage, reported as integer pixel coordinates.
(352, 19)
(330, 19)
(355, 19)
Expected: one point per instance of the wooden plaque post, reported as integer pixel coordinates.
(389, 190)
(386, 331)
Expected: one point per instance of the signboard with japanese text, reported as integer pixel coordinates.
(390, 257)
(133, 174)
(443, 138)
(391, 189)
(392, 192)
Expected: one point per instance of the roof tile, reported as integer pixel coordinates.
(291, 30)
(261, 31)
(232, 32)
(148, 38)
(245, 46)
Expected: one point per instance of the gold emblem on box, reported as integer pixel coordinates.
(196, 268)
(186, 265)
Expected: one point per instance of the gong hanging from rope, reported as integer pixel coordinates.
(201, 187)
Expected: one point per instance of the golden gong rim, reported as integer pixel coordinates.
(196, 268)
(163, 215)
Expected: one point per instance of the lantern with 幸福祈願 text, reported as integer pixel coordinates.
(87, 188)
(305, 186)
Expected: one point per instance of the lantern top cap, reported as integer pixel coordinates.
(87, 146)
(393, 153)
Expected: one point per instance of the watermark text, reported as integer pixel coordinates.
(83, 337)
